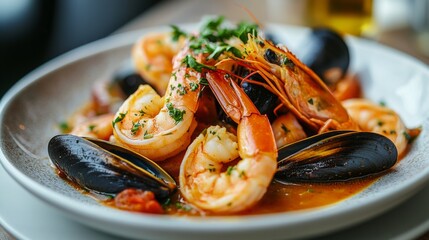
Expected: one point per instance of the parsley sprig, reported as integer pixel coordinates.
(213, 37)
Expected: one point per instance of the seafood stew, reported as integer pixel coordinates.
(209, 132)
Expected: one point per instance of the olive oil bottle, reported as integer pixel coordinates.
(346, 16)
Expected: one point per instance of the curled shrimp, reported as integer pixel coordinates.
(159, 127)
(379, 119)
(152, 55)
(287, 129)
(203, 180)
(299, 89)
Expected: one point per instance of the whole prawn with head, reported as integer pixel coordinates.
(299, 89)
(208, 177)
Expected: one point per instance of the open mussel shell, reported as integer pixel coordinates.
(335, 156)
(326, 53)
(106, 168)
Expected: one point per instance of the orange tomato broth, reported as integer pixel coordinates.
(278, 198)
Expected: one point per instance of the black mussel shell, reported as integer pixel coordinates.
(128, 79)
(326, 53)
(107, 168)
(287, 150)
(336, 157)
(263, 99)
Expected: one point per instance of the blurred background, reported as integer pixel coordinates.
(35, 31)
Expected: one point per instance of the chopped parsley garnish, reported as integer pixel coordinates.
(194, 86)
(203, 81)
(311, 101)
(177, 33)
(142, 112)
(175, 113)
(380, 123)
(181, 89)
(64, 127)
(135, 128)
(91, 127)
(224, 48)
(213, 38)
(183, 207)
(147, 135)
(244, 29)
(191, 62)
(119, 118)
(229, 170)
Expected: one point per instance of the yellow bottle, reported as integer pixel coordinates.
(346, 16)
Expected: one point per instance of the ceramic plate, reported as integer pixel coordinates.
(32, 109)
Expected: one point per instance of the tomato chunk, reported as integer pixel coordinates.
(138, 201)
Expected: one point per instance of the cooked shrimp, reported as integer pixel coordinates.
(347, 88)
(287, 130)
(96, 127)
(379, 119)
(160, 127)
(203, 180)
(152, 56)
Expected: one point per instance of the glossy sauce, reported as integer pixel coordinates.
(279, 197)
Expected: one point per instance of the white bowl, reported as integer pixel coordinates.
(32, 109)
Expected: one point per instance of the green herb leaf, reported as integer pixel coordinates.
(119, 118)
(244, 29)
(135, 128)
(64, 127)
(192, 63)
(181, 89)
(177, 33)
(194, 86)
(147, 135)
(175, 113)
(91, 127)
(203, 81)
(229, 170)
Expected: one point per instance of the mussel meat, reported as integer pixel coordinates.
(106, 168)
(335, 156)
(326, 53)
